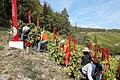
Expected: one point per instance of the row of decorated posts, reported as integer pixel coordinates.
(105, 54)
(66, 48)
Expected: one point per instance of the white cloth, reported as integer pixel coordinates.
(25, 28)
(89, 70)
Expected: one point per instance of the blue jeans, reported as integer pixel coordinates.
(40, 44)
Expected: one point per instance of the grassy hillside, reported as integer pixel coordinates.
(4, 38)
(107, 39)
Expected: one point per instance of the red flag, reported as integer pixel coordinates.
(29, 20)
(74, 44)
(14, 20)
(67, 56)
(103, 54)
(95, 55)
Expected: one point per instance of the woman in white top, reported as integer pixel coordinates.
(92, 71)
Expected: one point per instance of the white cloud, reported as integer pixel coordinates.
(106, 13)
(89, 26)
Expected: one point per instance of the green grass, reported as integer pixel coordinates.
(107, 39)
(3, 40)
(1, 47)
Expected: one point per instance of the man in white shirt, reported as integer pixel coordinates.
(92, 71)
(25, 32)
(25, 28)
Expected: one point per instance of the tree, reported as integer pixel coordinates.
(35, 8)
(5, 12)
(65, 23)
(48, 17)
(22, 7)
(36, 11)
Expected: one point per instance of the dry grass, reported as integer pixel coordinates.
(20, 65)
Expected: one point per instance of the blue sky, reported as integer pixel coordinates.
(90, 13)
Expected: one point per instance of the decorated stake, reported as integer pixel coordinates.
(55, 35)
(103, 54)
(67, 56)
(15, 42)
(108, 55)
(14, 20)
(69, 38)
(79, 33)
(29, 19)
(75, 44)
(64, 47)
(95, 54)
(89, 45)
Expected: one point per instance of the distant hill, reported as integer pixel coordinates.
(107, 39)
(98, 30)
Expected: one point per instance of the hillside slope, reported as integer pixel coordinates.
(22, 65)
(107, 39)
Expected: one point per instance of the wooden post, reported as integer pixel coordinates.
(14, 20)
(103, 54)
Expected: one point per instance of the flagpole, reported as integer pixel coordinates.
(15, 43)
(29, 18)
(14, 20)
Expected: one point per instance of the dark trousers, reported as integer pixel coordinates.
(40, 44)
